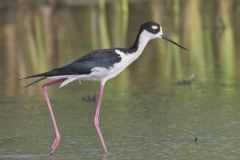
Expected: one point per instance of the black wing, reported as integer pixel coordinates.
(99, 58)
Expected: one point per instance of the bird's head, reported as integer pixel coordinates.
(152, 30)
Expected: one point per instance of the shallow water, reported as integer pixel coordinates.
(139, 122)
(144, 115)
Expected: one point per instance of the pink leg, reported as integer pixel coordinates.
(96, 121)
(57, 135)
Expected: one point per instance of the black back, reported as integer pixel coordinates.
(98, 58)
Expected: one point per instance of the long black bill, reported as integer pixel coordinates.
(169, 40)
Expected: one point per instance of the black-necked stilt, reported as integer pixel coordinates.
(99, 65)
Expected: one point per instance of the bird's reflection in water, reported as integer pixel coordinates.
(102, 157)
(54, 157)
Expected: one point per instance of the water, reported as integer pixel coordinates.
(144, 115)
(137, 123)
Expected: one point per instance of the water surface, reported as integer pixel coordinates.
(144, 115)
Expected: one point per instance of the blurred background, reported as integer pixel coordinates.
(39, 35)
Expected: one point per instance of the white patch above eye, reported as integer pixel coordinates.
(154, 27)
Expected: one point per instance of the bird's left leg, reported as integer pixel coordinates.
(57, 135)
(96, 121)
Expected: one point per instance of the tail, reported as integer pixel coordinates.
(45, 75)
(40, 79)
(33, 76)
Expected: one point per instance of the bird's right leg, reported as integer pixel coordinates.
(57, 135)
(96, 118)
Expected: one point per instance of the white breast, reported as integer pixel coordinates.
(126, 60)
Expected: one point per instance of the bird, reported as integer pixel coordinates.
(98, 65)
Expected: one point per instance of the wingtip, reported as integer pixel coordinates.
(25, 77)
(34, 82)
(186, 50)
(21, 78)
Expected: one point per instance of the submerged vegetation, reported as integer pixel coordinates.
(39, 35)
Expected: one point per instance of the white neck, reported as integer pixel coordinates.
(143, 40)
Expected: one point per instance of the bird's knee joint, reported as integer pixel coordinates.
(58, 136)
(96, 122)
(44, 87)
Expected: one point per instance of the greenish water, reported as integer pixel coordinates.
(152, 121)
(144, 115)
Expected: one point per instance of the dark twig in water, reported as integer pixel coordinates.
(89, 98)
(187, 82)
(195, 139)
